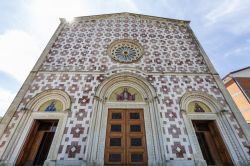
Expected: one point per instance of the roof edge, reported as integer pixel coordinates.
(244, 68)
(128, 13)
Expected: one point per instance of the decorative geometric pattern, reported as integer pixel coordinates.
(83, 46)
(79, 62)
(125, 51)
(174, 131)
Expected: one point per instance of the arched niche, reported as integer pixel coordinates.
(34, 111)
(104, 101)
(105, 89)
(51, 106)
(210, 110)
(42, 99)
(125, 93)
(198, 107)
(201, 98)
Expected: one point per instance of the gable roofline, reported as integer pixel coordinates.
(236, 71)
(129, 14)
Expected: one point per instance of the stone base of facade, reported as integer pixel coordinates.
(185, 162)
(87, 163)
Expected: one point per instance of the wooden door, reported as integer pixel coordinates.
(220, 146)
(24, 155)
(37, 144)
(125, 138)
(211, 143)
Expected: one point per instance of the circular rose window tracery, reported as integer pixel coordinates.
(125, 51)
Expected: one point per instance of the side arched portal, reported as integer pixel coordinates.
(210, 134)
(43, 120)
(105, 100)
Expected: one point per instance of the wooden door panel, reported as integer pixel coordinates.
(34, 140)
(219, 143)
(35, 145)
(212, 148)
(216, 148)
(22, 158)
(116, 115)
(114, 156)
(136, 142)
(137, 157)
(128, 125)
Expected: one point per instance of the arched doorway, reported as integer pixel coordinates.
(205, 124)
(139, 101)
(42, 126)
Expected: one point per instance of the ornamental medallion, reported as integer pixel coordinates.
(125, 51)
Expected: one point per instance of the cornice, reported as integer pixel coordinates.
(140, 16)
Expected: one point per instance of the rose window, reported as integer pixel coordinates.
(125, 51)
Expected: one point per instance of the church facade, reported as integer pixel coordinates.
(123, 89)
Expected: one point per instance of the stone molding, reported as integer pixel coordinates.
(29, 115)
(245, 127)
(127, 14)
(124, 67)
(47, 95)
(125, 78)
(97, 132)
(218, 115)
(202, 97)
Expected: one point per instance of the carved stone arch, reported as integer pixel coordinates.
(47, 95)
(30, 115)
(216, 115)
(97, 132)
(125, 69)
(208, 100)
(117, 92)
(126, 78)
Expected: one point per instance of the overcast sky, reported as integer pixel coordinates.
(222, 27)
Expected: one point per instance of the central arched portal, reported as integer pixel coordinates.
(125, 126)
